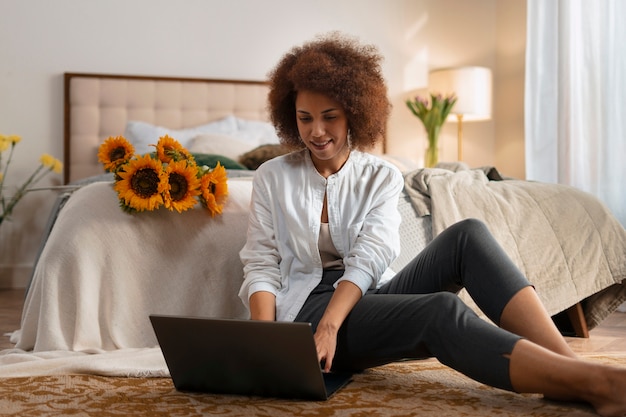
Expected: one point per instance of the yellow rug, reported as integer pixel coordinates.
(416, 388)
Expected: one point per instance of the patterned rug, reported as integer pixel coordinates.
(424, 388)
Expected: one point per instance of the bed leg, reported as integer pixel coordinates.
(577, 318)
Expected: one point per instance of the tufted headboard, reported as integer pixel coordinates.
(97, 106)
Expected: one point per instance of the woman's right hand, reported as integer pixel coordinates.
(345, 297)
(326, 344)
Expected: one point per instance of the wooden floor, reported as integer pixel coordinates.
(610, 336)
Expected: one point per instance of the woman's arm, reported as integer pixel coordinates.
(345, 297)
(371, 249)
(263, 306)
(260, 257)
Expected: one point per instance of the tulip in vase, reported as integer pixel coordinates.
(432, 114)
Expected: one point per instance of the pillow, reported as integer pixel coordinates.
(211, 160)
(256, 131)
(404, 164)
(142, 134)
(227, 145)
(254, 158)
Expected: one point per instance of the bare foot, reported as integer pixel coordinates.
(608, 397)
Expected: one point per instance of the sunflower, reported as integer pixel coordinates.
(214, 188)
(141, 184)
(169, 149)
(184, 185)
(115, 152)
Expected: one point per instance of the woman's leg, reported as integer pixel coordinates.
(526, 316)
(467, 255)
(383, 328)
(535, 369)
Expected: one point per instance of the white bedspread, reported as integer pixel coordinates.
(103, 271)
(131, 363)
(564, 240)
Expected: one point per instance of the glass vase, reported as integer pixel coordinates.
(431, 157)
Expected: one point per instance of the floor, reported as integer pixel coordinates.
(610, 336)
(11, 302)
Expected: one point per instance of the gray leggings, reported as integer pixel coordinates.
(418, 314)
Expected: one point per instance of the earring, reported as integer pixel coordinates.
(349, 139)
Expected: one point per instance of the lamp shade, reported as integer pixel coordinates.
(472, 87)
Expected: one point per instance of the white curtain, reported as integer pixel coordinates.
(575, 98)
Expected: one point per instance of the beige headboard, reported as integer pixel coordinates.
(99, 105)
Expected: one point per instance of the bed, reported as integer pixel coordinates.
(101, 271)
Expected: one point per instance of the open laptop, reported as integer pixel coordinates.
(244, 357)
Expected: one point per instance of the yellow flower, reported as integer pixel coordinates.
(141, 184)
(58, 166)
(114, 152)
(47, 160)
(4, 143)
(184, 186)
(169, 149)
(8, 140)
(51, 162)
(214, 187)
(7, 204)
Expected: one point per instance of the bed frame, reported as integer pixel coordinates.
(97, 106)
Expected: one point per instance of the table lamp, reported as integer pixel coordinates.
(472, 87)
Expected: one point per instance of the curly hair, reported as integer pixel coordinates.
(342, 69)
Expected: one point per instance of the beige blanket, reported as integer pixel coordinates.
(564, 240)
(103, 271)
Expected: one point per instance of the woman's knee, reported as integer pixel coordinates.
(472, 226)
(449, 301)
(445, 306)
(471, 230)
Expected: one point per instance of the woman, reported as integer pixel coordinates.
(323, 230)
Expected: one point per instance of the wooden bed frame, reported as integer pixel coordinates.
(97, 106)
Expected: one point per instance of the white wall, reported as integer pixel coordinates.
(238, 39)
(442, 34)
(509, 91)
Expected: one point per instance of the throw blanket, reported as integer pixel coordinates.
(103, 271)
(564, 240)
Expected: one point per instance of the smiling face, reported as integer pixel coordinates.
(323, 127)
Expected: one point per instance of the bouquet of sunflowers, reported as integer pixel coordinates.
(168, 177)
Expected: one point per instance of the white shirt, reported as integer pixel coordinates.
(281, 254)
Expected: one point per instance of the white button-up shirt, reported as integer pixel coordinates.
(281, 254)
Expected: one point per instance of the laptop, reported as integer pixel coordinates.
(244, 357)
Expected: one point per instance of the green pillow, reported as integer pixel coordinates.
(210, 160)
